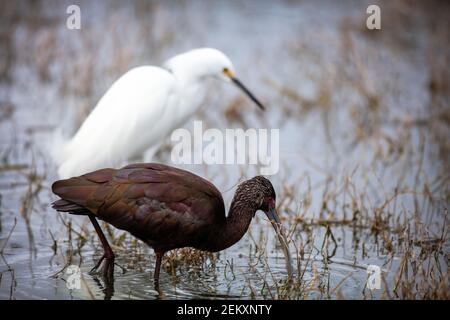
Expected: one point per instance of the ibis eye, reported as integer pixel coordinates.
(225, 70)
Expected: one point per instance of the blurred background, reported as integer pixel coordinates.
(364, 144)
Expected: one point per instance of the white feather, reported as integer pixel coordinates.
(125, 114)
(139, 111)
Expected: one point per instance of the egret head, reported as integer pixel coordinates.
(205, 63)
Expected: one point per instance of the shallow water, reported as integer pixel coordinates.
(315, 66)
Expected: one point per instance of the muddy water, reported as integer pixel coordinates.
(312, 63)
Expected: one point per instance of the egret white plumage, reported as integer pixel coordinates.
(142, 108)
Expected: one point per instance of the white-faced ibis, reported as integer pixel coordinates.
(146, 99)
(167, 208)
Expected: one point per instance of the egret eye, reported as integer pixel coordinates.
(226, 71)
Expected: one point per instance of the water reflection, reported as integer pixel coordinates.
(363, 122)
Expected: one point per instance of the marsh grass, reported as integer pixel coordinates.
(382, 198)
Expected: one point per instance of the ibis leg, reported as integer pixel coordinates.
(108, 254)
(159, 256)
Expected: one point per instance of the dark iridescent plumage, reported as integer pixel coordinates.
(165, 207)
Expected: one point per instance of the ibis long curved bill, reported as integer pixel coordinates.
(276, 224)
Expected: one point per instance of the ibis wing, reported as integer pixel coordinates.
(152, 201)
(81, 190)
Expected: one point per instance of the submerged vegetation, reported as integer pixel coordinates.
(364, 124)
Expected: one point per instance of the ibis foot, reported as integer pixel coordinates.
(108, 255)
(109, 263)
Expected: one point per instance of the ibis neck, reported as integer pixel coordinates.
(236, 224)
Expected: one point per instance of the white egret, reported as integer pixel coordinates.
(142, 108)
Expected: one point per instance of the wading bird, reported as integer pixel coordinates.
(167, 208)
(142, 108)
